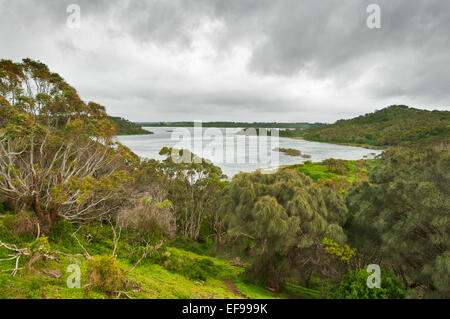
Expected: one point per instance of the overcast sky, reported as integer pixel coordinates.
(239, 60)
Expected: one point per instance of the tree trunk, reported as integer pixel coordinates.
(308, 281)
(53, 215)
(13, 203)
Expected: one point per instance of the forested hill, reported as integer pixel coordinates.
(397, 125)
(125, 127)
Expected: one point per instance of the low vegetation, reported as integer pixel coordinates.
(339, 175)
(288, 151)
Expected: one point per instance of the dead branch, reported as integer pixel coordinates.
(148, 250)
(86, 254)
(16, 256)
(116, 237)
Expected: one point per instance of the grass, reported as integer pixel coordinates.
(318, 170)
(171, 273)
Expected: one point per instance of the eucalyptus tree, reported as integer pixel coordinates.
(56, 154)
(195, 188)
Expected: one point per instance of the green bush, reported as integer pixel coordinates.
(60, 231)
(40, 246)
(201, 270)
(106, 274)
(23, 224)
(354, 286)
(186, 264)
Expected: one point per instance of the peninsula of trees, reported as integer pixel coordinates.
(125, 127)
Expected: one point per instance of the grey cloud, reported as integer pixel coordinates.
(408, 59)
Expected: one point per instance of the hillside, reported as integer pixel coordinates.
(170, 272)
(397, 125)
(125, 127)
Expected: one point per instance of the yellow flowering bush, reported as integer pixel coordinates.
(345, 252)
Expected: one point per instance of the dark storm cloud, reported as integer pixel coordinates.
(302, 55)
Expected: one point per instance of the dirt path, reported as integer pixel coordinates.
(232, 288)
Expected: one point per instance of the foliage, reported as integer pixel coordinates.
(22, 223)
(345, 253)
(288, 151)
(296, 133)
(148, 216)
(278, 221)
(337, 175)
(125, 127)
(194, 188)
(402, 217)
(337, 166)
(40, 246)
(106, 274)
(354, 286)
(391, 126)
(56, 153)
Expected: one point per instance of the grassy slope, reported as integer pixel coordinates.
(319, 171)
(166, 277)
(358, 172)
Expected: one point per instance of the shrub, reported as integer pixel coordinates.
(187, 264)
(60, 231)
(354, 286)
(23, 223)
(149, 217)
(106, 274)
(40, 246)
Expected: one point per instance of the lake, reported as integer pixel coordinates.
(235, 153)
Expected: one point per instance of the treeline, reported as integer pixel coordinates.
(232, 124)
(59, 164)
(125, 127)
(396, 125)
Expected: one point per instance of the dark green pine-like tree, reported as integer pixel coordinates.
(402, 218)
(278, 221)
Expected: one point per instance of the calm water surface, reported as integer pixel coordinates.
(237, 153)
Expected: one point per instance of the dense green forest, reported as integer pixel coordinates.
(125, 127)
(71, 196)
(396, 125)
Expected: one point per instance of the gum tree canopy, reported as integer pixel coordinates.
(280, 219)
(56, 157)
